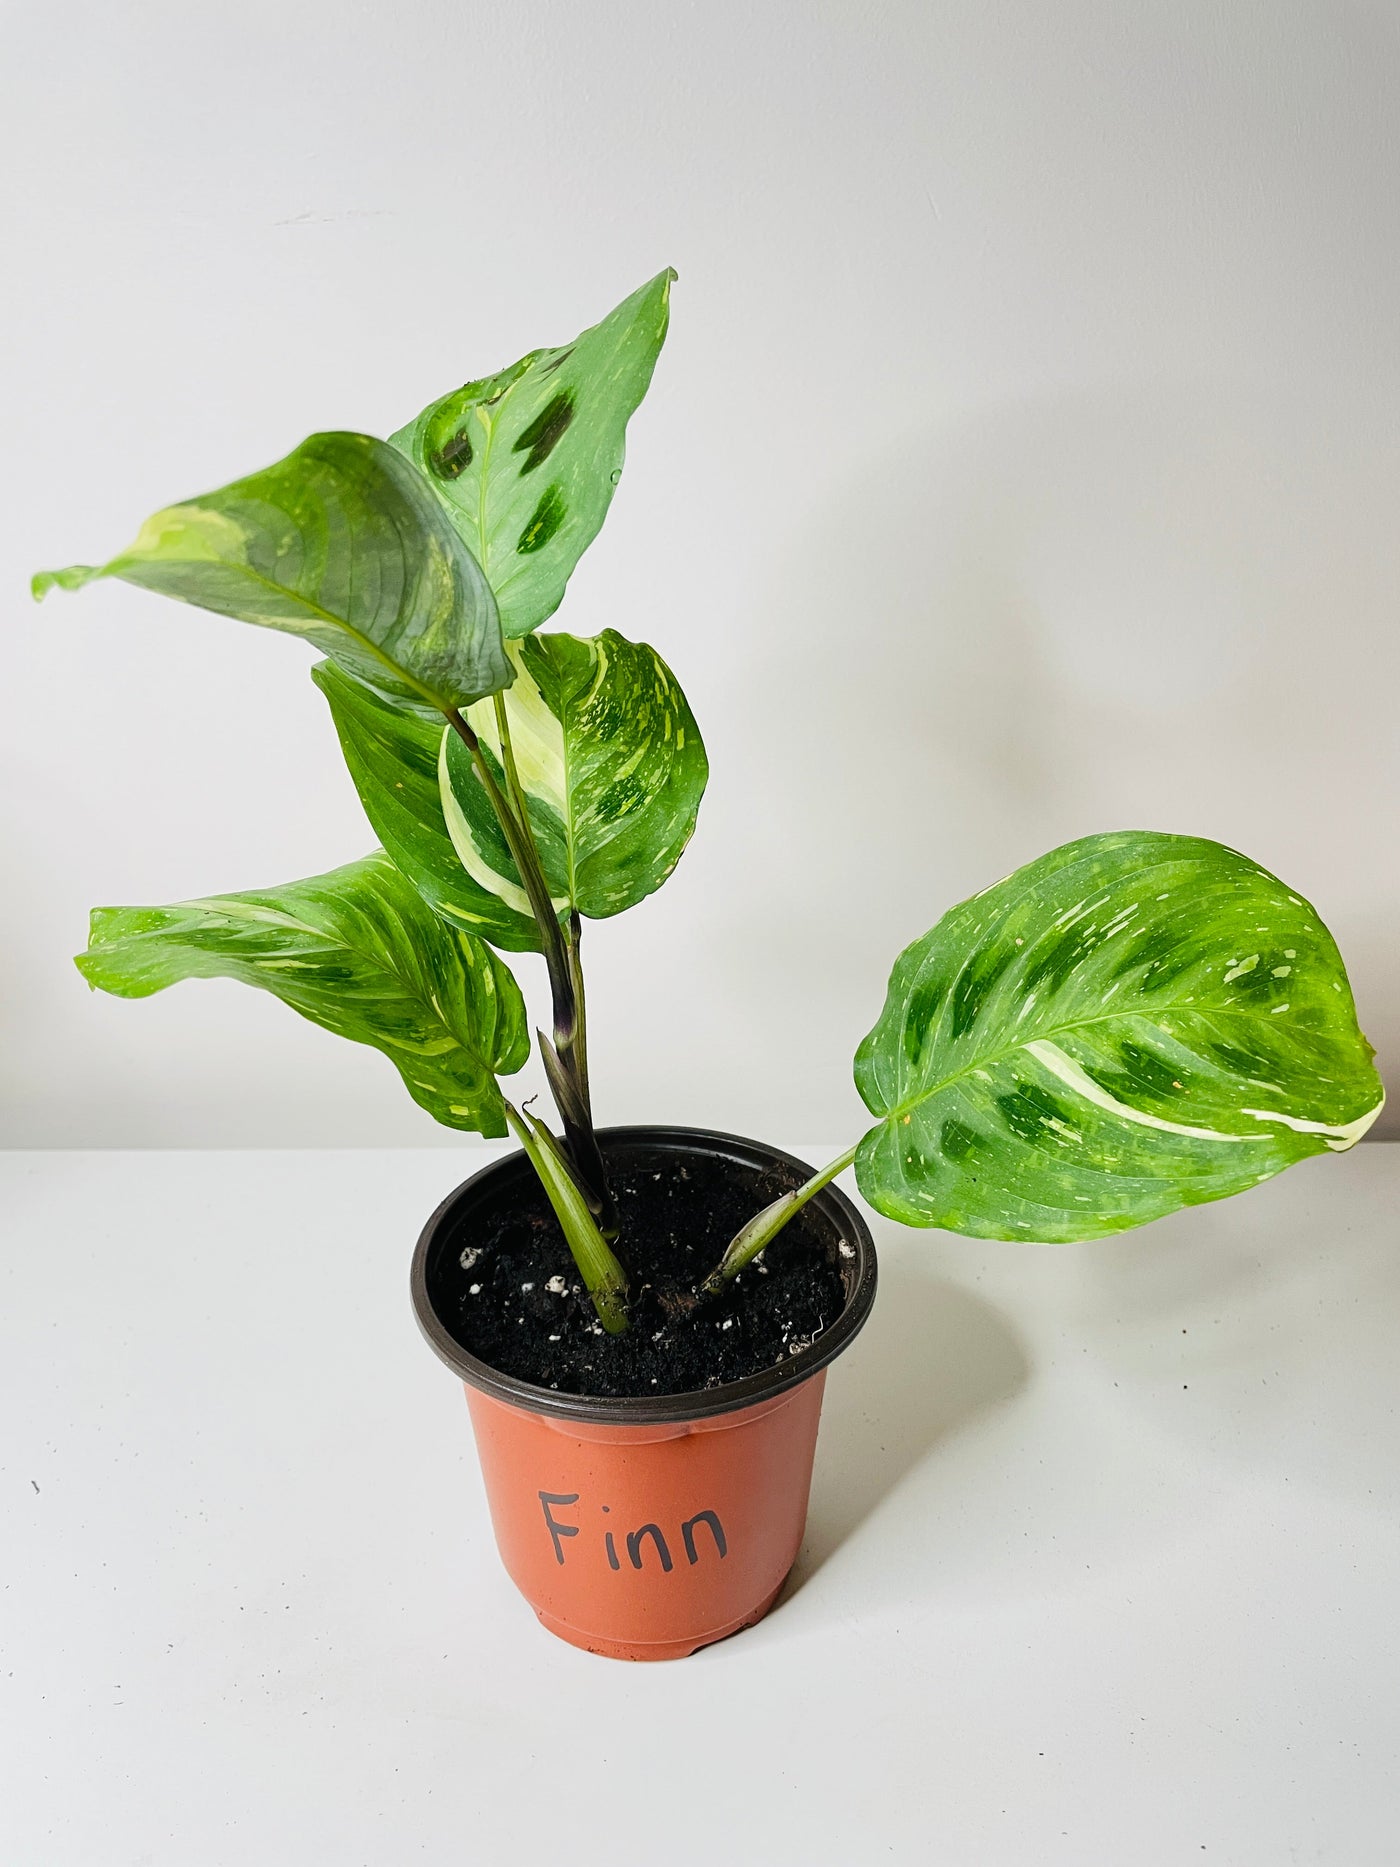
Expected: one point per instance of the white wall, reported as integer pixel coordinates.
(1024, 461)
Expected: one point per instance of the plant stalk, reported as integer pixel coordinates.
(561, 962)
(764, 1226)
(580, 1044)
(524, 853)
(569, 1061)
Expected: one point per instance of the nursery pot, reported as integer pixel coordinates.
(644, 1527)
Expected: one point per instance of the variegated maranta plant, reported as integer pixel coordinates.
(1134, 1023)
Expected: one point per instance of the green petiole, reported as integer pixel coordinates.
(764, 1226)
(602, 1274)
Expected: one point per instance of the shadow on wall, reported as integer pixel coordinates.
(931, 1357)
(1163, 608)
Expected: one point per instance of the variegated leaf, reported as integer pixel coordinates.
(393, 758)
(526, 461)
(612, 764)
(1133, 1023)
(356, 951)
(343, 543)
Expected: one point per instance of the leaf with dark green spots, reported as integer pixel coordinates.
(544, 433)
(526, 461)
(1134, 1023)
(544, 522)
(343, 543)
(612, 765)
(356, 951)
(393, 757)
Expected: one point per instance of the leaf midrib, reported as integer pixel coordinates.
(1048, 1036)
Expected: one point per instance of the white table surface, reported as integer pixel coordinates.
(1103, 1563)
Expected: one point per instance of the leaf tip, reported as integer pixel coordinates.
(653, 300)
(71, 578)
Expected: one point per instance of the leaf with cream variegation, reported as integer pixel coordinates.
(356, 951)
(526, 461)
(1134, 1023)
(344, 544)
(612, 765)
(393, 758)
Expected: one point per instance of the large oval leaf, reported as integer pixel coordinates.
(526, 460)
(1134, 1023)
(344, 543)
(612, 764)
(393, 759)
(356, 951)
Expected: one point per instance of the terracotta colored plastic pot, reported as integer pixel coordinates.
(643, 1528)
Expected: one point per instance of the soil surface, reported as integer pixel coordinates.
(510, 1293)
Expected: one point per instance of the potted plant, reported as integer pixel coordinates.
(643, 1316)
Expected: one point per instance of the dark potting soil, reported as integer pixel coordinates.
(510, 1292)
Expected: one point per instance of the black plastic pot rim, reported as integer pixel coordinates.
(659, 1409)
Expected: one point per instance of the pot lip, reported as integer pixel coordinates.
(660, 1409)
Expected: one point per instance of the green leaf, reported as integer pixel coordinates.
(1134, 1023)
(612, 764)
(393, 758)
(344, 543)
(356, 951)
(526, 461)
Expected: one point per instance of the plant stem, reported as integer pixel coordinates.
(513, 784)
(567, 1068)
(764, 1226)
(603, 1276)
(560, 955)
(524, 853)
(580, 1045)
